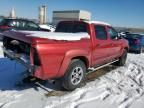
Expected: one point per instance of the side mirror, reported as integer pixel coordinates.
(119, 36)
(122, 34)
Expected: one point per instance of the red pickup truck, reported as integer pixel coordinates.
(68, 53)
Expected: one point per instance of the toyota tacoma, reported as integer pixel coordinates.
(75, 48)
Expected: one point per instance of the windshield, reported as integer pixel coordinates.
(70, 27)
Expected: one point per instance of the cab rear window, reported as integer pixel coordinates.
(70, 27)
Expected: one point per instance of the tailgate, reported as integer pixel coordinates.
(19, 51)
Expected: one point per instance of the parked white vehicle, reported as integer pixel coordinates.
(49, 27)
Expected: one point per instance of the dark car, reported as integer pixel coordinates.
(136, 42)
(19, 24)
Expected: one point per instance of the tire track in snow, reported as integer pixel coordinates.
(123, 86)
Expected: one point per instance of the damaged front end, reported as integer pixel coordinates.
(21, 52)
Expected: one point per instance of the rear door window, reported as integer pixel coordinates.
(13, 23)
(21, 24)
(31, 26)
(100, 32)
(64, 27)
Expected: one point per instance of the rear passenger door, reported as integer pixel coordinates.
(31, 26)
(101, 45)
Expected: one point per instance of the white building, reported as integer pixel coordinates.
(70, 15)
(42, 15)
(12, 13)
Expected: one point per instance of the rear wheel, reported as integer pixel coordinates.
(140, 51)
(75, 75)
(122, 59)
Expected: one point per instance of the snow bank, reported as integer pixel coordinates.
(56, 35)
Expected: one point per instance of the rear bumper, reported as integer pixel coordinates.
(13, 56)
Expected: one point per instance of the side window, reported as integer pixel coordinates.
(13, 23)
(22, 24)
(100, 32)
(31, 26)
(112, 32)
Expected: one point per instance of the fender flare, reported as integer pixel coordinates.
(69, 56)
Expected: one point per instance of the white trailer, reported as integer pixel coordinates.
(70, 15)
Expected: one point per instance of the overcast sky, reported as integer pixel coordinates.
(129, 13)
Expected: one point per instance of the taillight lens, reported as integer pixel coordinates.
(36, 59)
(137, 41)
(3, 28)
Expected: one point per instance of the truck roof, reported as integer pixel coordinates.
(97, 22)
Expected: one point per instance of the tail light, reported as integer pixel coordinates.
(4, 28)
(137, 41)
(36, 59)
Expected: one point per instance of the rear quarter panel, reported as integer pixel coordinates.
(56, 57)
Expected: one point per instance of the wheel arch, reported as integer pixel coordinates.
(126, 48)
(83, 59)
(67, 61)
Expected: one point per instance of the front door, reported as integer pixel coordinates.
(116, 43)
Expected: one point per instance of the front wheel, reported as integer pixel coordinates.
(122, 59)
(75, 75)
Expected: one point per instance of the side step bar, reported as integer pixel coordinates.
(99, 67)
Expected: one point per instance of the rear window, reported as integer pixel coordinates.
(71, 27)
(4, 22)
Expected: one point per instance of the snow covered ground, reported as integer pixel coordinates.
(57, 35)
(122, 87)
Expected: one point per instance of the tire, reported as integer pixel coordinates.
(122, 59)
(75, 75)
(140, 51)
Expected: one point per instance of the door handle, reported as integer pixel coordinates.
(111, 44)
(98, 45)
